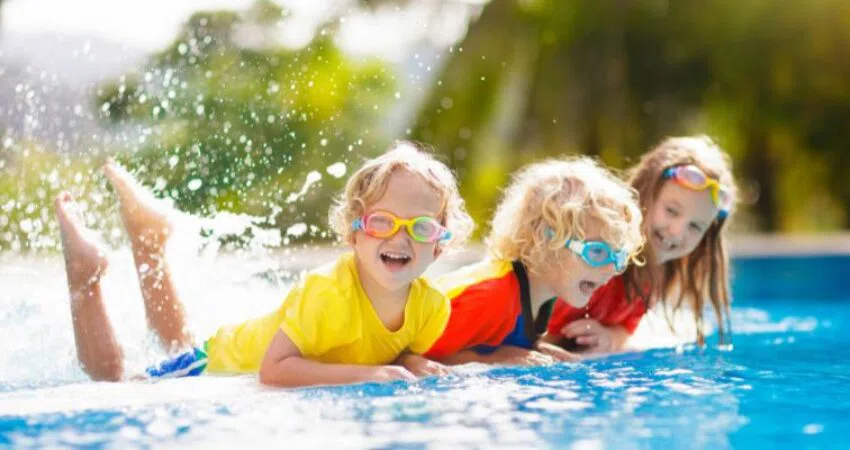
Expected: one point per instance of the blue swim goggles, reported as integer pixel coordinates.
(595, 253)
(598, 253)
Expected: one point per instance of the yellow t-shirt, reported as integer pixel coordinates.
(330, 319)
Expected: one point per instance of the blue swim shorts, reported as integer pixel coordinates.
(189, 364)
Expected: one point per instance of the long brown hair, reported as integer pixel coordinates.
(702, 276)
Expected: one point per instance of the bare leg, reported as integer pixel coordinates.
(149, 227)
(97, 349)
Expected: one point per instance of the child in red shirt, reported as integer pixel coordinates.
(687, 193)
(563, 229)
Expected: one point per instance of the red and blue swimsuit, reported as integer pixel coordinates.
(486, 310)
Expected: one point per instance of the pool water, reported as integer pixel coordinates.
(786, 383)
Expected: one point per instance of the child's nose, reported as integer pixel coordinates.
(676, 231)
(401, 235)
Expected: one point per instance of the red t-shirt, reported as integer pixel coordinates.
(486, 309)
(608, 305)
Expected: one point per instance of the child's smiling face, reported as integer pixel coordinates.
(678, 220)
(389, 265)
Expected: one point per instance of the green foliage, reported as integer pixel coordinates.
(769, 80)
(226, 124)
(221, 120)
(32, 178)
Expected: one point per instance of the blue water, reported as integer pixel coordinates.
(786, 384)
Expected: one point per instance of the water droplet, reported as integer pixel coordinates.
(195, 184)
(337, 170)
(297, 230)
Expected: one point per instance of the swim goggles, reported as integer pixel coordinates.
(598, 253)
(382, 224)
(595, 253)
(692, 177)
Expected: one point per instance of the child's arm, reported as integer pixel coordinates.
(549, 338)
(596, 337)
(284, 366)
(548, 345)
(505, 354)
(421, 366)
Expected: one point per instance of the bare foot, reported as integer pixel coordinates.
(146, 218)
(85, 262)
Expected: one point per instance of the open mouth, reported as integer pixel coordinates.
(587, 287)
(395, 260)
(665, 244)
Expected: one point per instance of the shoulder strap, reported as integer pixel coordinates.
(525, 301)
(541, 323)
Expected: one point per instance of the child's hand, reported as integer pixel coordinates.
(509, 354)
(556, 352)
(392, 373)
(422, 367)
(597, 338)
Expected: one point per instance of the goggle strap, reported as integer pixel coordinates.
(445, 235)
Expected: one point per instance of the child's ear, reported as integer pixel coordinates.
(438, 249)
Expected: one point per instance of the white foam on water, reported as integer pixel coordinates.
(132, 394)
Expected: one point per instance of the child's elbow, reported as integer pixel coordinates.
(266, 377)
(275, 374)
(269, 376)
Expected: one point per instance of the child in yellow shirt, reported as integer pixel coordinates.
(364, 317)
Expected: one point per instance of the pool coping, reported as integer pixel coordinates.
(765, 245)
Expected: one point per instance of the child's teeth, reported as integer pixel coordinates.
(395, 256)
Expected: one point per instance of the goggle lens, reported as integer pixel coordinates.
(380, 225)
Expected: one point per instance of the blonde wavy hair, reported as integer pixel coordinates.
(555, 200)
(701, 277)
(369, 184)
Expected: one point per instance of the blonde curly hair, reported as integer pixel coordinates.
(369, 183)
(555, 200)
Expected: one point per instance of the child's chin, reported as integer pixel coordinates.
(578, 300)
(399, 278)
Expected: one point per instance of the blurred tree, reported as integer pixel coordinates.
(770, 80)
(228, 120)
